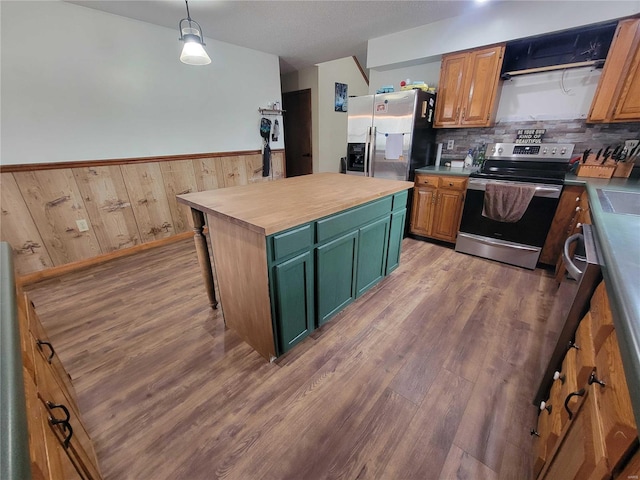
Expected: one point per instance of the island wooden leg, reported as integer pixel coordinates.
(203, 256)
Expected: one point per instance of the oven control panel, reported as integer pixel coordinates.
(543, 151)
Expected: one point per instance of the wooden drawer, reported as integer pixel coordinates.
(601, 318)
(581, 455)
(350, 220)
(541, 443)
(453, 183)
(400, 200)
(618, 422)
(586, 355)
(429, 180)
(292, 241)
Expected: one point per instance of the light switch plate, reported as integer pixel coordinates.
(450, 145)
(82, 225)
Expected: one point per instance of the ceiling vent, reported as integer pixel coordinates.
(579, 47)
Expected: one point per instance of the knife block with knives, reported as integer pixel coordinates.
(614, 163)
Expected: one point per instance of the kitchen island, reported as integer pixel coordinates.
(290, 254)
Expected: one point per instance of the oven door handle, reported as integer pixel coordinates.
(541, 191)
(573, 271)
(501, 244)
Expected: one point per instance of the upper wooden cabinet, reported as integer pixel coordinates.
(468, 88)
(617, 98)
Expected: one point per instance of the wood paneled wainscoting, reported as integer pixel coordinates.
(126, 203)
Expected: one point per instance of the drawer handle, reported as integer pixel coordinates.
(52, 351)
(64, 422)
(573, 345)
(545, 406)
(533, 432)
(579, 393)
(560, 376)
(594, 379)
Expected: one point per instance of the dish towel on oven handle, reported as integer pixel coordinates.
(506, 202)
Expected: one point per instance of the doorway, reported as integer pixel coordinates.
(297, 139)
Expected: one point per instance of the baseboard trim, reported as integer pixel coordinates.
(35, 277)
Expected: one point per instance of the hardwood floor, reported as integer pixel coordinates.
(430, 375)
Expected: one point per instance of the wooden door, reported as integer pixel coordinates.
(618, 422)
(335, 275)
(581, 455)
(297, 128)
(422, 210)
(396, 232)
(481, 86)
(59, 406)
(294, 300)
(628, 106)
(372, 249)
(446, 217)
(450, 89)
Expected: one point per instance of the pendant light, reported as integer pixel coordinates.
(193, 52)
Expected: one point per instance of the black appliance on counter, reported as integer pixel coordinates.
(541, 166)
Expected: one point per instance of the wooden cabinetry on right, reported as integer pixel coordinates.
(572, 212)
(437, 206)
(617, 98)
(587, 429)
(468, 88)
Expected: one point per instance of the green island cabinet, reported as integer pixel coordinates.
(317, 269)
(290, 254)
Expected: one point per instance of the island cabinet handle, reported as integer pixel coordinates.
(594, 379)
(52, 351)
(579, 393)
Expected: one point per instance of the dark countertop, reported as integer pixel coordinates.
(442, 170)
(618, 238)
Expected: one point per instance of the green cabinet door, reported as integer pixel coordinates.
(395, 240)
(335, 275)
(372, 254)
(294, 300)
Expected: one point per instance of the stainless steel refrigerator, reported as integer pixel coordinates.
(391, 134)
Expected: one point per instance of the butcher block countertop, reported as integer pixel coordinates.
(270, 207)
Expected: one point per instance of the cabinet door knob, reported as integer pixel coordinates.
(560, 376)
(594, 379)
(577, 209)
(577, 199)
(533, 432)
(572, 345)
(545, 406)
(579, 393)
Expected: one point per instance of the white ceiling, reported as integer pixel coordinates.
(301, 32)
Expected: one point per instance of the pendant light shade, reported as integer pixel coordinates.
(193, 52)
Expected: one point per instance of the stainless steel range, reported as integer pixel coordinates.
(511, 201)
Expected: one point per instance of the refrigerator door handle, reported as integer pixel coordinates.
(367, 145)
(372, 149)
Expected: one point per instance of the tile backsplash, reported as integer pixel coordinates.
(577, 131)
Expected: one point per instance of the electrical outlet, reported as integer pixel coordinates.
(82, 225)
(450, 145)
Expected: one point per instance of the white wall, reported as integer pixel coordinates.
(426, 72)
(332, 134)
(558, 95)
(489, 23)
(80, 84)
